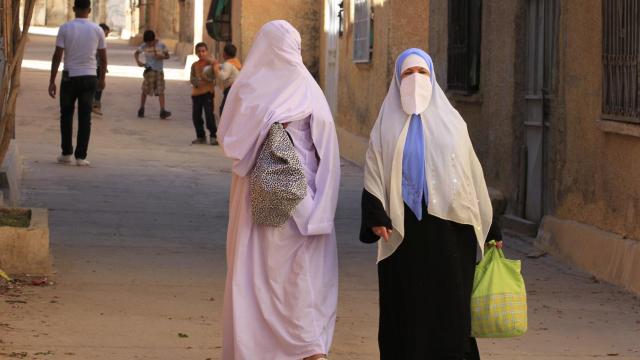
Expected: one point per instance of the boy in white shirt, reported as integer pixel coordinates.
(155, 52)
(228, 71)
(78, 40)
(97, 101)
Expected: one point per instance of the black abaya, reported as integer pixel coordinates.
(425, 286)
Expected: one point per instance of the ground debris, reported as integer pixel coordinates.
(17, 355)
(48, 352)
(536, 254)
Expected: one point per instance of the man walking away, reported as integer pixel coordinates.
(155, 52)
(97, 101)
(202, 97)
(228, 71)
(78, 40)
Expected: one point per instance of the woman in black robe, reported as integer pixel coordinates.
(425, 268)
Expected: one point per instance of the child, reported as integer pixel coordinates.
(155, 52)
(202, 97)
(97, 104)
(228, 71)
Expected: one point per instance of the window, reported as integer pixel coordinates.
(362, 31)
(463, 62)
(219, 20)
(621, 60)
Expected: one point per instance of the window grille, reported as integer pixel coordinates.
(463, 62)
(362, 31)
(621, 60)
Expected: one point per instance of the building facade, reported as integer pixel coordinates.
(549, 90)
(183, 23)
(120, 15)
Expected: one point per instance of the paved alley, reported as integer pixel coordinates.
(138, 245)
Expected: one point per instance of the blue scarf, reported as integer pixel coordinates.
(414, 182)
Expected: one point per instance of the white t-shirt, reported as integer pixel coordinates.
(228, 74)
(80, 39)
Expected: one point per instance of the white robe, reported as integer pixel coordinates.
(281, 289)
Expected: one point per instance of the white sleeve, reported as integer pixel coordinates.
(102, 43)
(225, 71)
(60, 37)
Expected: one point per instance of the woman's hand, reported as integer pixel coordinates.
(382, 231)
(498, 244)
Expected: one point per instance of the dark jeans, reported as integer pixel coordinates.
(203, 103)
(82, 89)
(98, 95)
(224, 99)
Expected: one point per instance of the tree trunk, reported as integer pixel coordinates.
(14, 44)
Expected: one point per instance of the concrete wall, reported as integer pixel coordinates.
(598, 178)
(11, 170)
(608, 256)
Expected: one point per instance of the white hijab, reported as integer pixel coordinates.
(457, 189)
(275, 86)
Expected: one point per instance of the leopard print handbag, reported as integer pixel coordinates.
(277, 183)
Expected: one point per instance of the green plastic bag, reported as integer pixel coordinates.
(499, 298)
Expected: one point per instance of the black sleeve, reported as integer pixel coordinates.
(373, 214)
(495, 231)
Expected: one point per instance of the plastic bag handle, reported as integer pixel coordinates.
(492, 246)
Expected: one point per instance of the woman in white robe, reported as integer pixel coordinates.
(282, 282)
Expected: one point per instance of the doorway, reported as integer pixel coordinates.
(541, 42)
(332, 31)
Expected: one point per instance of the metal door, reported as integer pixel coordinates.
(541, 30)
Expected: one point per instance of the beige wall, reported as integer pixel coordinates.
(492, 114)
(58, 12)
(304, 15)
(174, 24)
(362, 87)
(593, 173)
(598, 179)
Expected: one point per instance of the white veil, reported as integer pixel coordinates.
(457, 189)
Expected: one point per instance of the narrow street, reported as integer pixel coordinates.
(138, 246)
